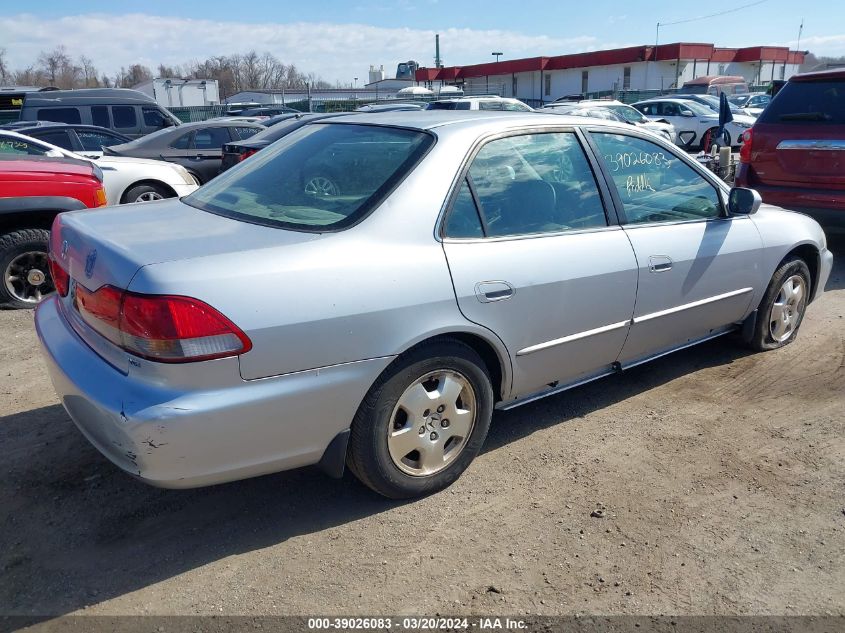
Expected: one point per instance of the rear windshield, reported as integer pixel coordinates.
(807, 102)
(319, 178)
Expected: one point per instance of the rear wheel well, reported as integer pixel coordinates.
(810, 255)
(152, 183)
(484, 349)
(27, 220)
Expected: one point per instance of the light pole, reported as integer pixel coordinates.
(355, 90)
(499, 54)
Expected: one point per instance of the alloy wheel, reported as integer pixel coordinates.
(787, 308)
(431, 423)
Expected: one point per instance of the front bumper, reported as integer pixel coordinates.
(174, 437)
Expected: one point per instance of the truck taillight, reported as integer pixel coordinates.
(745, 150)
(164, 328)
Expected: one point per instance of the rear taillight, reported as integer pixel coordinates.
(61, 280)
(745, 150)
(165, 328)
(246, 154)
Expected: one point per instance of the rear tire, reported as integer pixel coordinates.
(782, 308)
(23, 265)
(402, 443)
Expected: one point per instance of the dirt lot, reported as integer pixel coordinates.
(721, 474)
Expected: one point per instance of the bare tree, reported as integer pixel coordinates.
(89, 72)
(53, 62)
(4, 70)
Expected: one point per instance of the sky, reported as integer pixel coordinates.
(338, 40)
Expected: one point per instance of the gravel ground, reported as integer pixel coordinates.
(718, 476)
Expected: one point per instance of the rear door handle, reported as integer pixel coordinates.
(659, 263)
(490, 291)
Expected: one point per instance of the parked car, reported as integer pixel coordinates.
(716, 85)
(125, 179)
(752, 103)
(198, 147)
(237, 151)
(472, 262)
(710, 101)
(480, 103)
(127, 112)
(795, 153)
(614, 111)
(84, 140)
(33, 190)
(695, 124)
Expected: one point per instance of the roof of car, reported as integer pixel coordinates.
(86, 96)
(820, 75)
(464, 119)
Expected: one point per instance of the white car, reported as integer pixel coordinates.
(695, 124)
(613, 110)
(124, 179)
(488, 102)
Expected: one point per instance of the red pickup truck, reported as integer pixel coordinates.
(33, 191)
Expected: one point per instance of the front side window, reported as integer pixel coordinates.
(535, 183)
(124, 116)
(153, 118)
(60, 115)
(320, 177)
(96, 141)
(653, 184)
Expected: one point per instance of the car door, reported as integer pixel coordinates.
(697, 266)
(206, 151)
(535, 260)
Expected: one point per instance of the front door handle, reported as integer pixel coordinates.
(659, 263)
(490, 291)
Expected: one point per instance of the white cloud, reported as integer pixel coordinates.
(823, 45)
(336, 52)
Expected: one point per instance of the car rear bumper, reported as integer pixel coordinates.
(182, 439)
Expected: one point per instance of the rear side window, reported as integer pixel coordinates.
(211, 138)
(489, 105)
(463, 220)
(535, 183)
(320, 177)
(60, 115)
(124, 116)
(246, 132)
(820, 102)
(59, 138)
(100, 116)
(182, 142)
(449, 105)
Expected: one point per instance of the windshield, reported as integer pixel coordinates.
(321, 177)
(628, 113)
(698, 108)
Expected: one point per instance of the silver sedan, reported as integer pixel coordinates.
(367, 290)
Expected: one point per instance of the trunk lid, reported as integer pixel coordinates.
(110, 245)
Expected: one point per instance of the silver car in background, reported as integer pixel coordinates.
(461, 262)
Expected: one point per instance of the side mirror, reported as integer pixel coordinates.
(687, 113)
(742, 201)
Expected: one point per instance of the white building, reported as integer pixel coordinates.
(174, 93)
(542, 79)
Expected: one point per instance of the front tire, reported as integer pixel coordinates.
(146, 193)
(782, 308)
(422, 422)
(23, 264)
